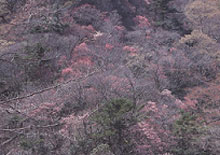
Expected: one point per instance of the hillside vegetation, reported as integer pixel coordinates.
(109, 77)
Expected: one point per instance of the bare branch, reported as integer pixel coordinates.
(9, 140)
(32, 127)
(49, 88)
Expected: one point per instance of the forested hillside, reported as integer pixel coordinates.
(109, 77)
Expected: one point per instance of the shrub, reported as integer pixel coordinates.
(188, 130)
(204, 15)
(102, 149)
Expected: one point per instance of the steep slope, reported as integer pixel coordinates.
(65, 65)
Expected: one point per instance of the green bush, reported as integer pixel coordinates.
(188, 131)
(113, 120)
(102, 149)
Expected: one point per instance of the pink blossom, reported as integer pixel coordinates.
(82, 47)
(67, 71)
(142, 21)
(152, 106)
(62, 60)
(172, 49)
(148, 37)
(83, 61)
(129, 49)
(109, 46)
(120, 28)
(180, 103)
(106, 19)
(89, 28)
(166, 92)
(189, 102)
(132, 54)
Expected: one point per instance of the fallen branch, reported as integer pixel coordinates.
(32, 127)
(9, 140)
(49, 88)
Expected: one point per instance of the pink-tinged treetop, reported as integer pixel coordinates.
(151, 138)
(187, 103)
(83, 61)
(109, 46)
(142, 21)
(120, 28)
(66, 71)
(81, 47)
(129, 49)
(89, 28)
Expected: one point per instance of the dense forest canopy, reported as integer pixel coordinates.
(109, 77)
